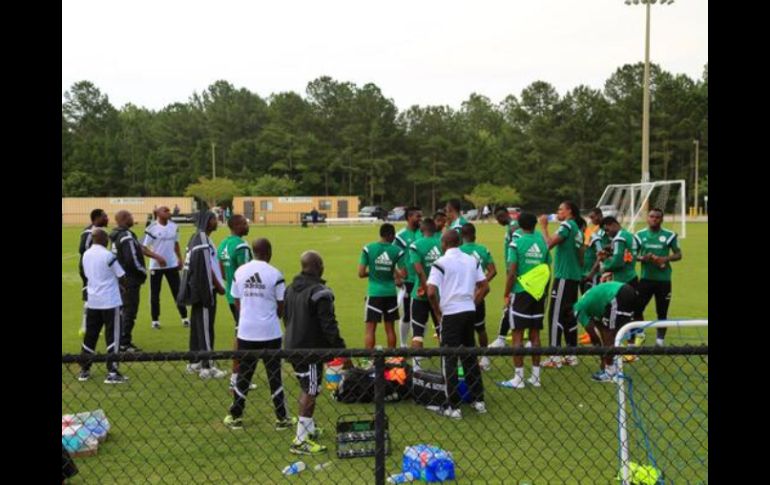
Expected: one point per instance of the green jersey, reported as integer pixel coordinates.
(482, 254)
(381, 258)
(659, 244)
(510, 231)
(458, 223)
(623, 260)
(404, 239)
(424, 251)
(594, 302)
(233, 252)
(597, 241)
(567, 265)
(527, 251)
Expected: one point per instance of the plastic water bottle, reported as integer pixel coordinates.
(401, 478)
(294, 468)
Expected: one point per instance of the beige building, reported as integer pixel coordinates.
(77, 210)
(288, 210)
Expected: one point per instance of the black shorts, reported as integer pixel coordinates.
(480, 322)
(310, 377)
(408, 286)
(621, 309)
(661, 290)
(525, 312)
(379, 308)
(420, 311)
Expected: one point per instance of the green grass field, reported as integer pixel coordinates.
(167, 425)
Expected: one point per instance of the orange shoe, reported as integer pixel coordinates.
(584, 339)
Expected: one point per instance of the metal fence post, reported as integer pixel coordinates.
(379, 418)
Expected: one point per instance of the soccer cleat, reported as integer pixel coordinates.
(130, 348)
(584, 339)
(552, 362)
(186, 322)
(601, 376)
(115, 378)
(570, 360)
(534, 381)
(84, 375)
(485, 363)
(233, 423)
(193, 368)
(306, 447)
(447, 412)
(156, 325)
(659, 342)
(516, 383)
(479, 407)
(212, 373)
(499, 343)
(286, 423)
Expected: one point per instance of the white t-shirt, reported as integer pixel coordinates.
(259, 287)
(102, 270)
(455, 274)
(162, 240)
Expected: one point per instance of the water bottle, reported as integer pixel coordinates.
(294, 468)
(401, 478)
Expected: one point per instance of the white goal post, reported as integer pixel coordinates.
(629, 203)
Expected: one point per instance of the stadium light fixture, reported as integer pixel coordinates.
(646, 100)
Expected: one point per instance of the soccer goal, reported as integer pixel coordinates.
(629, 203)
(663, 408)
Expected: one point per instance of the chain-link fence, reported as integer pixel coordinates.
(165, 424)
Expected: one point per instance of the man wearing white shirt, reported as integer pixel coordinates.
(163, 237)
(455, 286)
(102, 270)
(258, 290)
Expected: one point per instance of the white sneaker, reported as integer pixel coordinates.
(659, 342)
(447, 412)
(485, 363)
(156, 325)
(212, 373)
(193, 368)
(534, 381)
(516, 383)
(570, 360)
(479, 407)
(499, 343)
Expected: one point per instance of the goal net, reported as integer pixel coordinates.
(629, 203)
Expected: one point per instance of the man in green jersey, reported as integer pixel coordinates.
(525, 309)
(658, 248)
(484, 258)
(440, 219)
(454, 217)
(378, 263)
(422, 254)
(618, 262)
(596, 240)
(568, 271)
(232, 253)
(404, 239)
(612, 304)
(511, 224)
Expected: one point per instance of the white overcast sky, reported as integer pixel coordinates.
(153, 53)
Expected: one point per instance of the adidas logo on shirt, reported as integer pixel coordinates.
(254, 281)
(383, 259)
(433, 254)
(534, 252)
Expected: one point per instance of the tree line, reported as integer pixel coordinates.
(344, 139)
